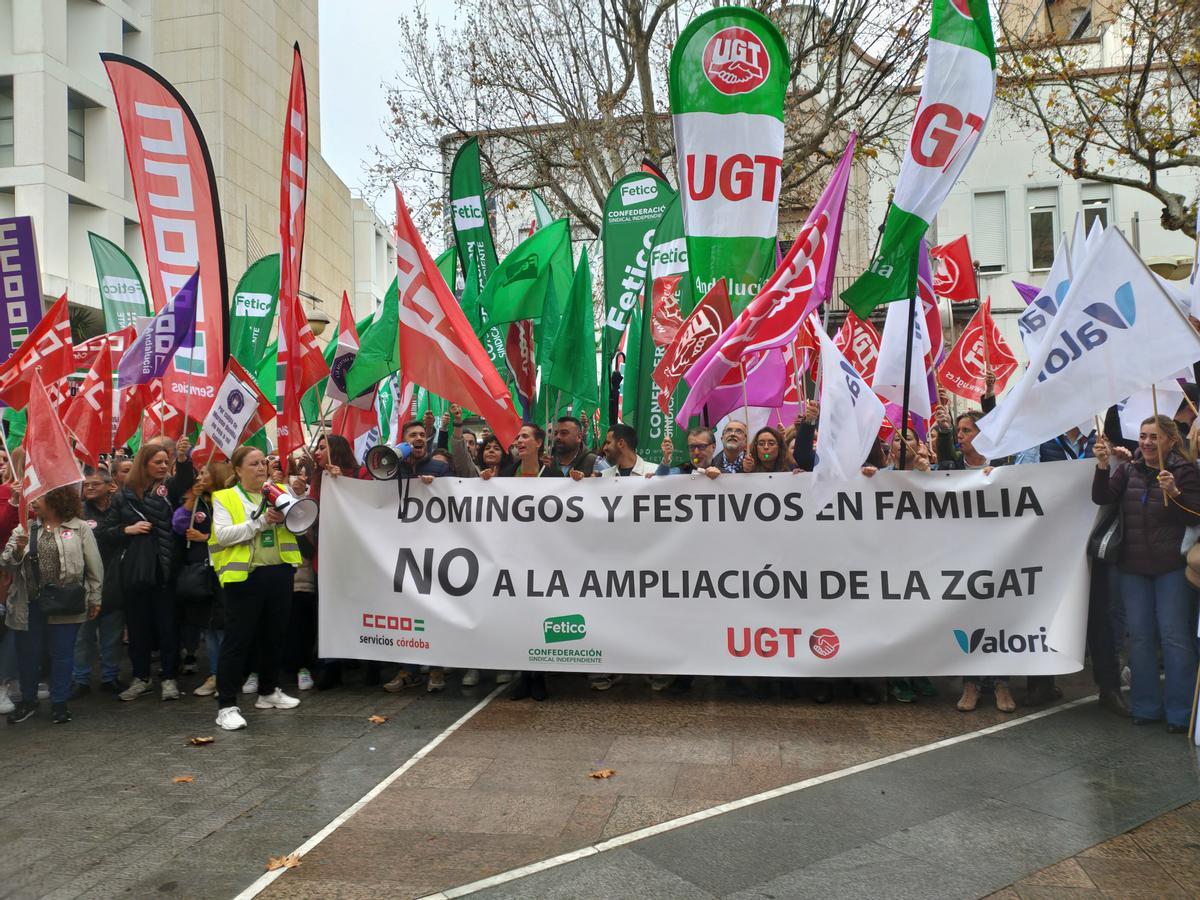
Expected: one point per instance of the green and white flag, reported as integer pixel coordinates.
(668, 299)
(468, 213)
(516, 289)
(378, 346)
(541, 212)
(956, 98)
(631, 212)
(447, 264)
(729, 75)
(253, 314)
(122, 293)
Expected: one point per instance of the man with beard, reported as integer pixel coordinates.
(419, 461)
(571, 458)
(733, 447)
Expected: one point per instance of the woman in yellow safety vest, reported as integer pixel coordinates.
(255, 558)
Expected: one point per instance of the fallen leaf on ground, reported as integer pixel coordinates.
(290, 861)
(377, 720)
(184, 779)
(200, 741)
(604, 773)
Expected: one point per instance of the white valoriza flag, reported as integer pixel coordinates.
(1034, 322)
(850, 418)
(889, 370)
(1116, 332)
(1137, 408)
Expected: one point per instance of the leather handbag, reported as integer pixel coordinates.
(62, 600)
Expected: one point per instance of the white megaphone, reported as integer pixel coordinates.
(383, 462)
(299, 513)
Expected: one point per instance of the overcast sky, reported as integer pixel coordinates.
(359, 51)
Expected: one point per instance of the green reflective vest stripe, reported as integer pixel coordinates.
(233, 563)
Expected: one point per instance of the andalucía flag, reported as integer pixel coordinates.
(960, 80)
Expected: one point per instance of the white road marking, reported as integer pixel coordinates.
(672, 824)
(268, 878)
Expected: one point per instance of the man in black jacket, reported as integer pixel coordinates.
(570, 454)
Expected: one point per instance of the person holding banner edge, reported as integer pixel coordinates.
(255, 558)
(1158, 489)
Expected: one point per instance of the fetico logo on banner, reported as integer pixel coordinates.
(564, 628)
(639, 191)
(559, 629)
(736, 61)
(979, 641)
(254, 305)
(468, 213)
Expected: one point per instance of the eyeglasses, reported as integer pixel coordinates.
(698, 448)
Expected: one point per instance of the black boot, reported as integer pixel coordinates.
(22, 711)
(537, 686)
(59, 714)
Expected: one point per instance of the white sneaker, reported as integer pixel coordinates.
(43, 691)
(170, 689)
(251, 685)
(208, 688)
(470, 678)
(230, 718)
(6, 704)
(136, 688)
(277, 700)
(604, 682)
(304, 680)
(503, 677)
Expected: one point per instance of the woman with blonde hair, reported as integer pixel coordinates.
(255, 558)
(1158, 489)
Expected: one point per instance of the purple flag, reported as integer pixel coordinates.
(1028, 292)
(20, 284)
(173, 328)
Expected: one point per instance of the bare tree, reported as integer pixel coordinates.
(569, 95)
(1115, 91)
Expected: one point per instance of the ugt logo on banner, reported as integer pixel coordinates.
(735, 61)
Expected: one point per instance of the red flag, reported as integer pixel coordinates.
(519, 355)
(352, 422)
(439, 349)
(301, 364)
(49, 463)
(47, 349)
(962, 372)
(858, 341)
(955, 279)
(90, 417)
(85, 354)
(176, 193)
(696, 333)
(133, 404)
(665, 318)
(808, 348)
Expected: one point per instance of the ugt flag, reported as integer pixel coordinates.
(980, 347)
(1115, 333)
(49, 463)
(172, 328)
(955, 281)
(956, 98)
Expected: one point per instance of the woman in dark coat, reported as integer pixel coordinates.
(1158, 489)
(146, 567)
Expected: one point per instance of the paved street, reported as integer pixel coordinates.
(92, 809)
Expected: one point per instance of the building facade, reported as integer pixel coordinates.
(62, 159)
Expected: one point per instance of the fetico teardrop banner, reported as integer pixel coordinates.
(729, 75)
(550, 574)
(176, 194)
(632, 211)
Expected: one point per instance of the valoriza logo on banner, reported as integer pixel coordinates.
(979, 641)
(560, 629)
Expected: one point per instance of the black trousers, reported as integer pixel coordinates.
(301, 650)
(256, 622)
(150, 618)
(1101, 641)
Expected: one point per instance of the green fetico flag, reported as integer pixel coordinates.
(729, 75)
(632, 210)
(668, 299)
(956, 98)
(122, 293)
(254, 302)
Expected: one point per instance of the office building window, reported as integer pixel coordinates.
(1097, 205)
(989, 237)
(6, 124)
(1043, 226)
(75, 156)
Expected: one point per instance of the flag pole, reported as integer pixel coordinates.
(745, 398)
(908, 363)
(1154, 400)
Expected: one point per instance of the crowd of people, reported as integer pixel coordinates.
(175, 564)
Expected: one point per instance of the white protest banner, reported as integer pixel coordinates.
(1115, 332)
(906, 573)
(237, 404)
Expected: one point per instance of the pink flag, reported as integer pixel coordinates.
(758, 336)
